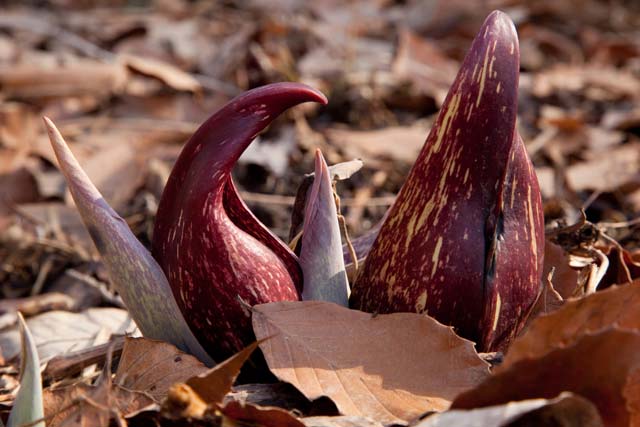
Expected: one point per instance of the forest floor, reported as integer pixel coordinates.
(129, 83)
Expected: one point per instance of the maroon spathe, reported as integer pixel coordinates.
(216, 255)
(464, 240)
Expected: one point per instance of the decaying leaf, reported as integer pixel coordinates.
(86, 405)
(211, 386)
(422, 62)
(171, 75)
(596, 366)
(153, 366)
(607, 173)
(241, 413)
(116, 170)
(92, 405)
(82, 77)
(390, 368)
(616, 306)
(340, 421)
(325, 278)
(27, 406)
(565, 279)
(58, 332)
(566, 410)
(375, 144)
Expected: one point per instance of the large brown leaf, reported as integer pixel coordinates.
(616, 306)
(566, 410)
(390, 368)
(153, 366)
(602, 367)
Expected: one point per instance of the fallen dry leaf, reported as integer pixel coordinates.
(340, 421)
(390, 368)
(169, 74)
(86, 405)
(597, 366)
(616, 306)
(116, 170)
(612, 83)
(57, 332)
(398, 143)
(565, 278)
(607, 173)
(75, 405)
(17, 185)
(566, 410)
(82, 77)
(245, 413)
(153, 366)
(61, 220)
(548, 300)
(422, 62)
(17, 125)
(212, 386)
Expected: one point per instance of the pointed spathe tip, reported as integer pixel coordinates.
(309, 93)
(500, 25)
(321, 167)
(54, 133)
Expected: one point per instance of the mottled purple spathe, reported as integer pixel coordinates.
(464, 239)
(219, 259)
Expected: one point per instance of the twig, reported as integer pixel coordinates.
(36, 289)
(275, 199)
(73, 363)
(92, 50)
(619, 224)
(101, 287)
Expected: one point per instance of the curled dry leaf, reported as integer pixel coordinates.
(565, 279)
(566, 410)
(548, 300)
(153, 366)
(169, 74)
(212, 386)
(185, 404)
(86, 405)
(601, 367)
(616, 307)
(390, 368)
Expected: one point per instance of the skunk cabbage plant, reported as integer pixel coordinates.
(463, 241)
(218, 257)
